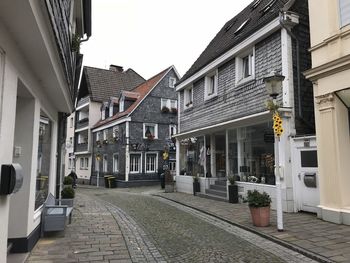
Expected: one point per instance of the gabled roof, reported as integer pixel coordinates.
(249, 20)
(103, 84)
(140, 92)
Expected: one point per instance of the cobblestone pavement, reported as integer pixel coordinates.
(158, 230)
(93, 236)
(305, 232)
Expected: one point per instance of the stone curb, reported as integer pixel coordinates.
(295, 248)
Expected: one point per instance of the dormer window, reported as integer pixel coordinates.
(188, 97)
(241, 26)
(211, 85)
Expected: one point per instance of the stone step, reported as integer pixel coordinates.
(218, 187)
(221, 182)
(216, 192)
(212, 197)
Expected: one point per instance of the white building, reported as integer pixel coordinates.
(39, 62)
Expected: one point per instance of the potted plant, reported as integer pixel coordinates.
(232, 190)
(196, 185)
(165, 109)
(174, 110)
(67, 195)
(259, 205)
(67, 180)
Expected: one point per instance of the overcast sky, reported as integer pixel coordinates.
(150, 35)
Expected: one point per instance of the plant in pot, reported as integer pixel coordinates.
(67, 195)
(259, 205)
(165, 109)
(67, 180)
(232, 190)
(196, 185)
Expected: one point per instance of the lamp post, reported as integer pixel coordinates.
(98, 159)
(273, 84)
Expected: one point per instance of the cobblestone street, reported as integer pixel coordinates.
(122, 226)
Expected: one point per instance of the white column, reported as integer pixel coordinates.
(226, 155)
(278, 187)
(177, 157)
(127, 152)
(212, 155)
(205, 156)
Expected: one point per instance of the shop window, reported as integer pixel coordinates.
(151, 162)
(135, 163)
(43, 162)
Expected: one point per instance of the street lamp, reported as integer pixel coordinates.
(98, 159)
(273, 84)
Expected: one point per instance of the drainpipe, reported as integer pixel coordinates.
(287, 25)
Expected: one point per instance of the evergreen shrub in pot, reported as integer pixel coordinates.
(67, 195)
(259, 205)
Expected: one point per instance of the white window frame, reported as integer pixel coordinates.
(98, 136)
(344, 19)
(175, 102)
(172, 82)
(240, 79)
(86, 163)
(105, 163)
(156, 162)
(105, 134)
(110, 110)
(80, 139)
(155, 125)
(208, 83)
(188, 98)
(174, 127)
(115, 163)
(82, 163)
(140, 163)
(164, 103)
(121, 104)
(103, 115)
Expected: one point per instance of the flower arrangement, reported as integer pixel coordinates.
(231, 179)
(165, 109)
(174, 110)
(150, 137)
(277, 124)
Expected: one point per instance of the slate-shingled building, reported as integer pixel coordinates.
(224, 126)
(98, 91)
(129, 143)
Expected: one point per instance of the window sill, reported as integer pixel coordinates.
(245, 81)
(211, 97)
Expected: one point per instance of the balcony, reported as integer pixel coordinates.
(82, 123)
(81, 147)
(83, 101)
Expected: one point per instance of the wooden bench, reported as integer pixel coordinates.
(55, 213)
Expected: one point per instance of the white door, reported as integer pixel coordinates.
(305, 175)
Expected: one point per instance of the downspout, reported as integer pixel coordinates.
(300, 113)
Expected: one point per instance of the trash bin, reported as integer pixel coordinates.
(106, 181)
(112, 182)
(162, 180)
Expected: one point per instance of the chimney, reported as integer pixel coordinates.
(115, 68)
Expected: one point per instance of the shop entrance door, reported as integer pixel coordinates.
(305, 174)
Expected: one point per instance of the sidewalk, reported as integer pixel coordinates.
(93, 236)
(304, 232)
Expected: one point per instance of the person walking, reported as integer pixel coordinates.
(74, 177)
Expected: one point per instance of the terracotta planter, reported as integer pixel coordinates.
(260, 216)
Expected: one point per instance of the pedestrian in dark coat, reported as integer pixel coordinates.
(74, 177)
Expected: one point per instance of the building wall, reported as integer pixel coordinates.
(233, 101)
(149, 111)
(20, 84)
(330, 72)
